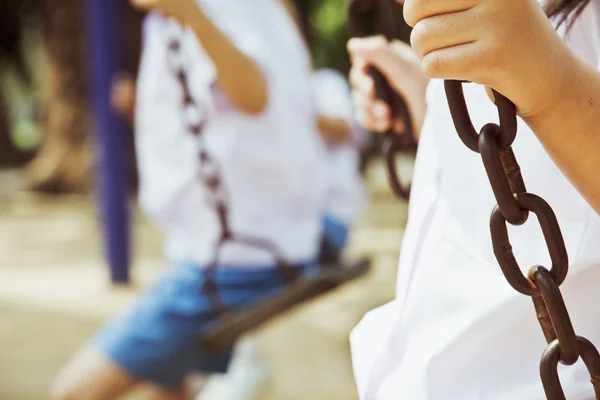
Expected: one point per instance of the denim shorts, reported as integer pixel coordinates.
(156, 341)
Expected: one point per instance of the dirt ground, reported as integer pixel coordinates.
(54, 293)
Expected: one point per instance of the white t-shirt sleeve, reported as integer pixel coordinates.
(331, 95)
(250, 26)
(166, 153)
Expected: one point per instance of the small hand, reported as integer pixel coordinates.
(400, 65)
(508, 45)
(333, 130)
(123, 96)
(178, 9)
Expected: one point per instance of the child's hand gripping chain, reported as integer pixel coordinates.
(453, 43)
(178, 9)
(401, 67)
(395, 117)
(508, 45)
(512, 47)
(240, 78)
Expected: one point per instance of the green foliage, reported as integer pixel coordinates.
(328, 19)
(330, 33)
(329, 24)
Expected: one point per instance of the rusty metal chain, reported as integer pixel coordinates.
(193, 117)
(514, 204)
(211, 175)
(395, 143)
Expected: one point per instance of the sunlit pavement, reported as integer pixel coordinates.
(54, 293)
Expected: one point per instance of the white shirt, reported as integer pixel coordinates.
(346, 195)
(457, 330)
(271, 163)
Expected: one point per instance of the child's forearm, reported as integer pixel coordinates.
(334, 130)
(240, 77)
(570, 130)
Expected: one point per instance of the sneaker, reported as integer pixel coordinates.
(247, 374)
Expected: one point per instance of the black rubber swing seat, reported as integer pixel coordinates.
(233, 324)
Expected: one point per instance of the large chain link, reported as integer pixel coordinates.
(494, 143)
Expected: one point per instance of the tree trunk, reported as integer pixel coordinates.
(131, 28)
(64, 159)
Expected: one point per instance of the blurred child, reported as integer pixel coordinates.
(345, 191)
(343, 138)
(332, 101)
(231, 169)
(123, 96)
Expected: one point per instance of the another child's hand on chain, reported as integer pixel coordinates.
(123, 96)
(400, 65)
(333, 130)
(178, 9)
(509, 45)
(239, 76)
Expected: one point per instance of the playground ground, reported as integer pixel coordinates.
(54, 293)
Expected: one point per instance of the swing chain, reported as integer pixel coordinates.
(514, 204)
(210, 174)
(193, 116)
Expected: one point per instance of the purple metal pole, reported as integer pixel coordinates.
(102, 25)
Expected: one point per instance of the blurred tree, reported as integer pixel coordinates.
(327, 26)
(63, 162)
(65, 158)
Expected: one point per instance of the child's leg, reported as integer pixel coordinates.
(158, 393)
(90, 375)
(155, 343)
(247, 373)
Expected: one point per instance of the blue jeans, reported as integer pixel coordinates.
(335, 232)
(157, 339)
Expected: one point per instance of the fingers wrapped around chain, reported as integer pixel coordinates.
(442, 31)
(448, 49)
(372, 114)
(417, 10)
(361, 80)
